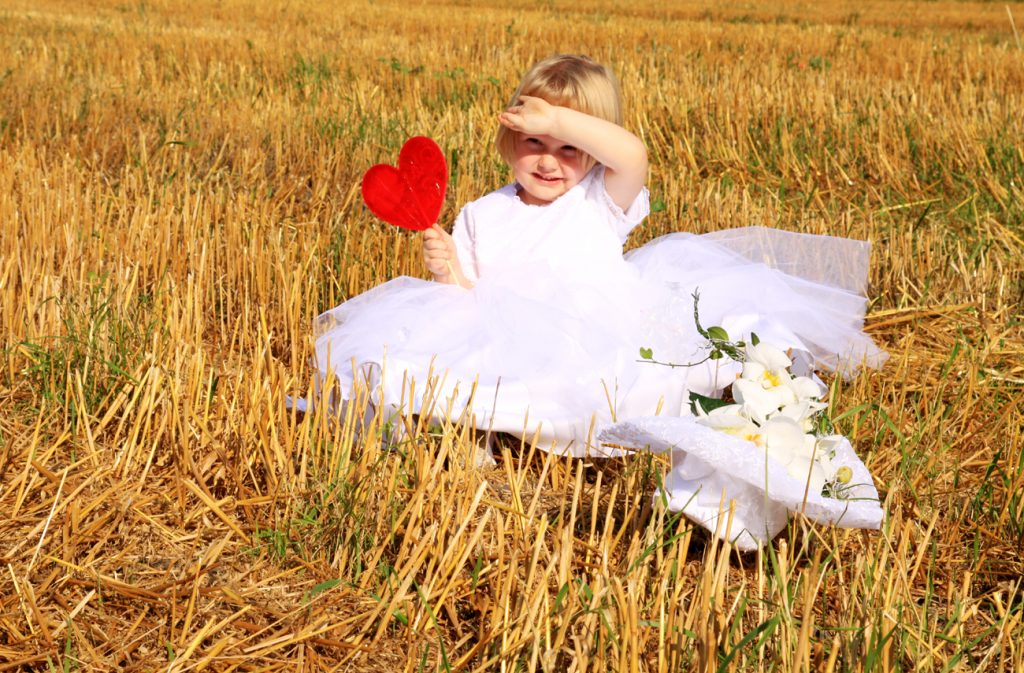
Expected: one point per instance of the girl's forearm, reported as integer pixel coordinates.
(615, 147)
(622, 153)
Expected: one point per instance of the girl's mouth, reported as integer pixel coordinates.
(548, 180)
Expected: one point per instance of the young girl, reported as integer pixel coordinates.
(534, 320)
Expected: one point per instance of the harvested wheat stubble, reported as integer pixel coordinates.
(179, 200)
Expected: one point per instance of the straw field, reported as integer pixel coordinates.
(179, 200)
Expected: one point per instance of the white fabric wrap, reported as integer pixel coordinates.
(713, 472)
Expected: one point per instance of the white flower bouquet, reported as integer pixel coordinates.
(782, 414)
(742, 464)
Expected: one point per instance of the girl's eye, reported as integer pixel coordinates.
(533, 141)
(569, 150)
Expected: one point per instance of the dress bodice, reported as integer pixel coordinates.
(580, 233)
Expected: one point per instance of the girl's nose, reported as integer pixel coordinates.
(546, 162)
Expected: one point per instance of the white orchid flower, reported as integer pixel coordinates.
(784, 440)
(826, 451)
(828, 467)
(828, 444)
(767, 365)
(803, 412)
(798, 452)
(815, 464)
(805, 469)
(731, 421)
(805, 388)
(758, 402)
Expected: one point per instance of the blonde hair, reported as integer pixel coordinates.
(569, 81)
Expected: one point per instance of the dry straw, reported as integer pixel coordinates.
(178, 201)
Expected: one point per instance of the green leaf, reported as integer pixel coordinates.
(646, 353)
(715, 355)
(754, 339)
(562, 593)
(717, 332)
(476, 571)
(657, 205)
(707, 404)
(765, 627)
(319, 588)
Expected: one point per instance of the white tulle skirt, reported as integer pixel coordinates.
(552, 354)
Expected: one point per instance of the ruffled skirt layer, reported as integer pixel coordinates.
(553, 354)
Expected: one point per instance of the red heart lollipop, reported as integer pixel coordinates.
(411, 195)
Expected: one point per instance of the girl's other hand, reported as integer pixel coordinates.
(440, 256)
(533, 116)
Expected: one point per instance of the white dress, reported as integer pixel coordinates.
(546, 344)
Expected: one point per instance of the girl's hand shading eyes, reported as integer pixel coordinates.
(531, 115)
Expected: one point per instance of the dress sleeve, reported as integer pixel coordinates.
(464, 236)
(621, 221)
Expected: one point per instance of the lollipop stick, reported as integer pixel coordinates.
(451, 270)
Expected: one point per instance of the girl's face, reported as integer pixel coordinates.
(545, 168)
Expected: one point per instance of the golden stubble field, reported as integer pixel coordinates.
(178, 201)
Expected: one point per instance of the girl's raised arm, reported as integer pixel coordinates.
(623, 154)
